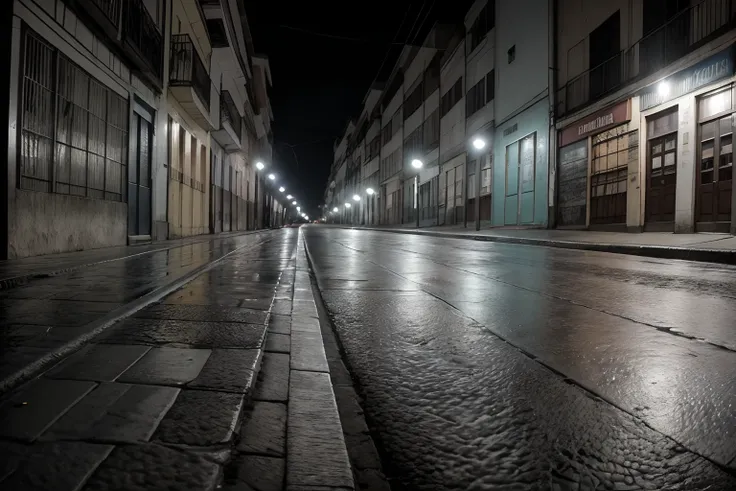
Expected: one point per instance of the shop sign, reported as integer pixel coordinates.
(712, 69)
(595, 123)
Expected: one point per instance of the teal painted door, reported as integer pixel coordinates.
(527, 160)
(511, 205)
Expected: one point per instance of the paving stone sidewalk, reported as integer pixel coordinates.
(223, 384)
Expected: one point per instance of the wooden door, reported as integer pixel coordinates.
(661, 178)
(715, 172)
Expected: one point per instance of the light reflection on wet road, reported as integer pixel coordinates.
(487, 365)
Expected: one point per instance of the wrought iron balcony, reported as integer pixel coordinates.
(187, 69)
(142, 35)
(682, 34)
(130, 26)
(229, 113)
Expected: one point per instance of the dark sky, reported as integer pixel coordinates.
(323, 61)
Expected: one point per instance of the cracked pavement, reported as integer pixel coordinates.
(500, 366)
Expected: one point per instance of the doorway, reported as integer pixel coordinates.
(661, 179)
(139, 177)
(715, 162)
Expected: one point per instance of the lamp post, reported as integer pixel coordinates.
(479, 143)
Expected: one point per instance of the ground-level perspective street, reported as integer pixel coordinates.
(504, 366)
(333, 358)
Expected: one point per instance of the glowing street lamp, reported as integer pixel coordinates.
(479, 143)
(288, 196)
(260, 166)
(370, 191)
(272, 177)
(282, 189)
(335, 209)
(356, 197)
(298, 209)
(347, 205)
(293, 203)
(417, 164)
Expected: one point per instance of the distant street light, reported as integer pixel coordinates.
(260, 166)
(335, 209)
(298, 209)
(282, 189)
(479, 143)
(356, 197)
(370, 191)
(417, 164)
(347, 205)
(288, 196)
(272, 177)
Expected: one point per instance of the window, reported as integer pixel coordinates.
(413, 144)
(451, 97)
(432, 76)
(476, 98)
(490, 86)
(511, 53)
(391, 164)
(432, 131)
(88, 123)
(386, 133)
(374, 147)
(485, 21)
(414, 100)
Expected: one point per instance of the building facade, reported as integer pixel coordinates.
(644, 115)
(126, 120)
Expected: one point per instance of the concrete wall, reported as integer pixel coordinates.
(525, 25)
(46, 223)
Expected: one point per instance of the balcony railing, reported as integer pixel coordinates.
(142, 34)
(187, 68)
(229, 112)
(129, 25)
(682, 34)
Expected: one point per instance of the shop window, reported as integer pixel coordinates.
(609, 169)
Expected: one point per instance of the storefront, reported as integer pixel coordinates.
(688, 171)
(595, 155)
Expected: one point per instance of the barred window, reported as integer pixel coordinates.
(74, 133)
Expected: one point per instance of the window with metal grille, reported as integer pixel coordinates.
(475, 99)
(74, 133)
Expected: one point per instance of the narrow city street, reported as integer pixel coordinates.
(500, 366)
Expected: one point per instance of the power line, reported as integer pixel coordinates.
(419, 29)
(419, 14)
(388, 51)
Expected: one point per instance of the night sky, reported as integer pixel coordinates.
(322, 63)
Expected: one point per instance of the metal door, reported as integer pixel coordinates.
(139, 179)
(661, 179)
(715, 171)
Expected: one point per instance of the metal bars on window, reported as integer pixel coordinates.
(74, 133)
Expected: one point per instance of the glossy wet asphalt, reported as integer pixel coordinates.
(500, 366)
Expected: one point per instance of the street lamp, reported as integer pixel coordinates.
(260, 166)
(288, 196)
(293, 203)
(335, 209)
(298, 209)
(417, 164)
(347, 205)
(272, 177)
(282, 189)
(370, 191)
(356, 197)
(479, 143)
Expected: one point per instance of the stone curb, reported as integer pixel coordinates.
(316, 453)
(24, 279)
(660, 252)
(100, 325)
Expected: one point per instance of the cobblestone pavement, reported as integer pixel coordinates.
(497, 366)
(41, 317)
(222, 384)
